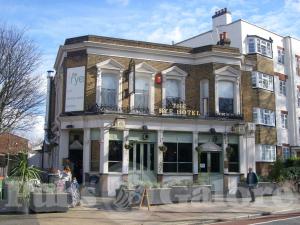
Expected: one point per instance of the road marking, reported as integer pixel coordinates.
(275, 220)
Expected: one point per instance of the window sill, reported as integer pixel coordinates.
(257, 53)
(266, 161)
(260, 88)
(179, 173)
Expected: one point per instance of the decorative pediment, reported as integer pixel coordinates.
(210, 147)
(174, 71)
(228, 71)
(145, 68)
(110, 64)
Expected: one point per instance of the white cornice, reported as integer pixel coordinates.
(150, 54)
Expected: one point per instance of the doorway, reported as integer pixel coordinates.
(141, 163)
(76, 154)
(210, 170)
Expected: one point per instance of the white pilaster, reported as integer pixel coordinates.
(63, 147)
(104, 145)
(86, 151)
(243, 154)
(125, 153)
(225, 144)
(195, 153)
(160, 156)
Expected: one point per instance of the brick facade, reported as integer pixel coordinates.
(12, 144)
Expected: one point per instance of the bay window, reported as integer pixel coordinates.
(267, 153)
(109, 91)
(280, 52)
(261, 80)
(284, 120)
(259, 45)
(172, 92)
(225, 96)
(264, 116)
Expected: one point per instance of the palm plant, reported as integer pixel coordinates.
(23, 173)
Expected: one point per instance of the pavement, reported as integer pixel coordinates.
(101, 211)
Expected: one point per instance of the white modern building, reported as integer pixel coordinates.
(284, 51)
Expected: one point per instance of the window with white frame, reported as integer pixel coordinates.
(298, 97)
(284, 120)
(286, 153)
(226, 96)
(142, 94)
(282, 87)
(109, 90)
(264, 117)
(173, 92)
(299, 125)
(261, 80)
(204, 96)
(259, 45)
(298, 64)
(268, 153)
(280, 52)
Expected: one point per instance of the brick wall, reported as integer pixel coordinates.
(10, 143)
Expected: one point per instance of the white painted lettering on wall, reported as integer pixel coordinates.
(75, 89)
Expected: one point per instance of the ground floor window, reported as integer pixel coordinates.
(268, 153)
(178, 158)
(286, 153)
(95, 155)
(115, 156)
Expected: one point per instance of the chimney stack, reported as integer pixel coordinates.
(221, 17)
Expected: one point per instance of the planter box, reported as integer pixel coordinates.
(48, 202)
(201, 193)
(194, 193)
(262, 189)
(159, 196)
(181, 194)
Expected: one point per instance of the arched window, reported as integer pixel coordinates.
(226, 97)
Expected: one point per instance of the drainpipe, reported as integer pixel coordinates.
(47, 114)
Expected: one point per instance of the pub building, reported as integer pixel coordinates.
(132, 111)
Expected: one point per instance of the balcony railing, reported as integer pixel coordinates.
(102, 109)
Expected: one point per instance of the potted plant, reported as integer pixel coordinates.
(163, 148)
(24, 175)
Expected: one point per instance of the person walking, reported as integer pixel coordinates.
(252, 181)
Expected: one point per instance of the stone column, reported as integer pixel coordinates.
(86, 151)
(63, 147)
(195, 156)
(160, 157)
(125, 162)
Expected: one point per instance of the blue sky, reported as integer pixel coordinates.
(49, 23)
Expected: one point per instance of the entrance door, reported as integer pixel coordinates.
(141, 163)
(211, 170)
